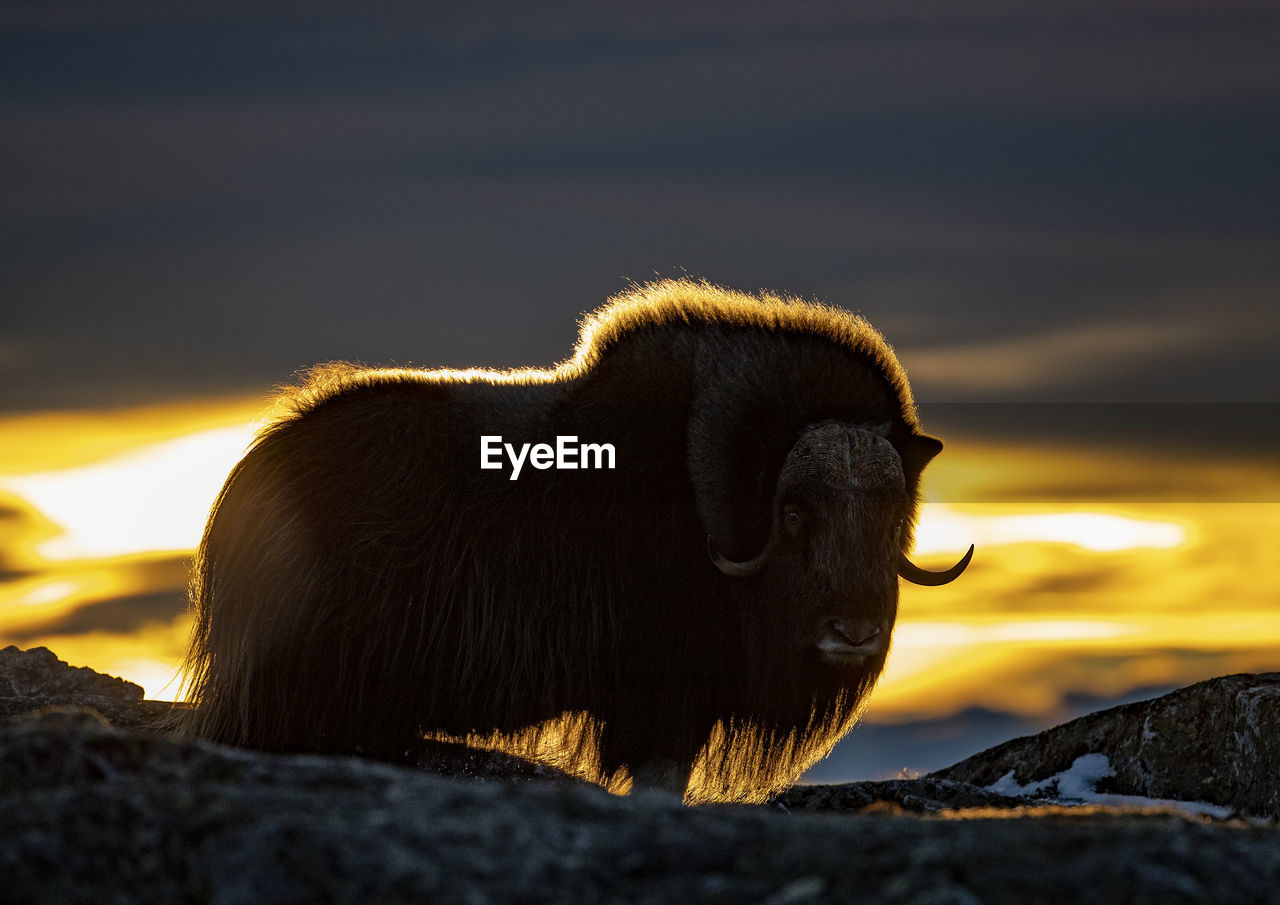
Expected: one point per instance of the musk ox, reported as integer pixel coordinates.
(707, 615)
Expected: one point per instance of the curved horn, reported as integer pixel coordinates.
(748, 569)
(916, 575)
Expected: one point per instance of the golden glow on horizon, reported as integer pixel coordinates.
(52, 441)
(981, 471)
(151, 499)
(50, 587)
(929, 652)
(1094, 595)
(937, 669)
(944, 528)
(157, 498)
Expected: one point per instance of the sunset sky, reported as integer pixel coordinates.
(1066, 222)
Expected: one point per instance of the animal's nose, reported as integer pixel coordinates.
(852, 641)
(856, 634)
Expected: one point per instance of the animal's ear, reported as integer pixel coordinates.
(917, 450)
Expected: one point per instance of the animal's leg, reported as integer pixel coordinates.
(664, 774)
(645, 748)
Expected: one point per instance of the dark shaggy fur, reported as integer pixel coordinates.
(361, 580)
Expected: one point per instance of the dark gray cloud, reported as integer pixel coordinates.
(205, 201)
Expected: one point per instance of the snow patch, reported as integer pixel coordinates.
(1078, 785)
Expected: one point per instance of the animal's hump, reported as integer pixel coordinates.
(659, 303)
(687, 301)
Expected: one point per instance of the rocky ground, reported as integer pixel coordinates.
(95, 809)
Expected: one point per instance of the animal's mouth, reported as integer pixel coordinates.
(845, 641)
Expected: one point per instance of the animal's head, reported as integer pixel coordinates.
(840, 519)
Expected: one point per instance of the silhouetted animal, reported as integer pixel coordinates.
(719, 602)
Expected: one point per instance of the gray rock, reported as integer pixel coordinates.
(37, 673)
(93, 814)
(36, 679)
(922, 796)
(99, 814)
(1216, 741)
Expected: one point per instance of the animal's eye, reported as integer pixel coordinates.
(792, 516)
